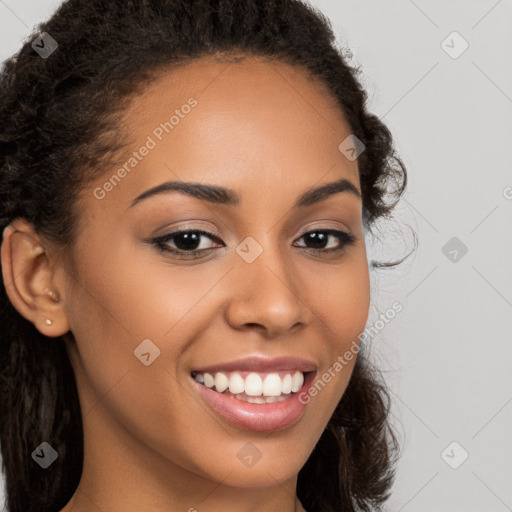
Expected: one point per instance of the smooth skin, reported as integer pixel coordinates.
(269, 132)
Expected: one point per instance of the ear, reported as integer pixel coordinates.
(30, 280)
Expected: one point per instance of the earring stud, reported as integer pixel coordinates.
(48, 321)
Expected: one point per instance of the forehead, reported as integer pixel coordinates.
(247, 80)
(254, 124)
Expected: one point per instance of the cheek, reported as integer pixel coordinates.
(343, 301)
(118, 302)
(113, 308)
(343, 306)
(133, 297)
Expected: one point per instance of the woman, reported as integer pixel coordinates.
(186, 188)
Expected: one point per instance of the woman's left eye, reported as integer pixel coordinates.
(190, 241)
(319, 236)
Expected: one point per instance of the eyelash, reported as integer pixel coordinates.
(346, 239)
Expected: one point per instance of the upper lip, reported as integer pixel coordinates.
(261, 364)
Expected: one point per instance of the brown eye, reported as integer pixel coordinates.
(319, 239)
(186, 242)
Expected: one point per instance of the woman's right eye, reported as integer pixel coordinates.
(186, 242)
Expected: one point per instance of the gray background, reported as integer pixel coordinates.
(447, 355)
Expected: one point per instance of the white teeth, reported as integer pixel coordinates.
(221, 382)
(297, 381)
(261, 400)
(253, 384)
(287, 384)
(236, 384)
(271, 385)
(208, 380)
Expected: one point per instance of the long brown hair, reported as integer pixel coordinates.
(58, 132)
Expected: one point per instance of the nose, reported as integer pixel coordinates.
(267, 295)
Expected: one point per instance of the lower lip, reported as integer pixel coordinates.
(260, 417)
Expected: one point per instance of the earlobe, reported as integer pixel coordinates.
(27, 276)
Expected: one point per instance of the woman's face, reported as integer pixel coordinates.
(144, 319)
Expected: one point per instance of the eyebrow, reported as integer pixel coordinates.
(221, 195)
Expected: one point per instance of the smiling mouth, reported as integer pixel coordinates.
(254, 387)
